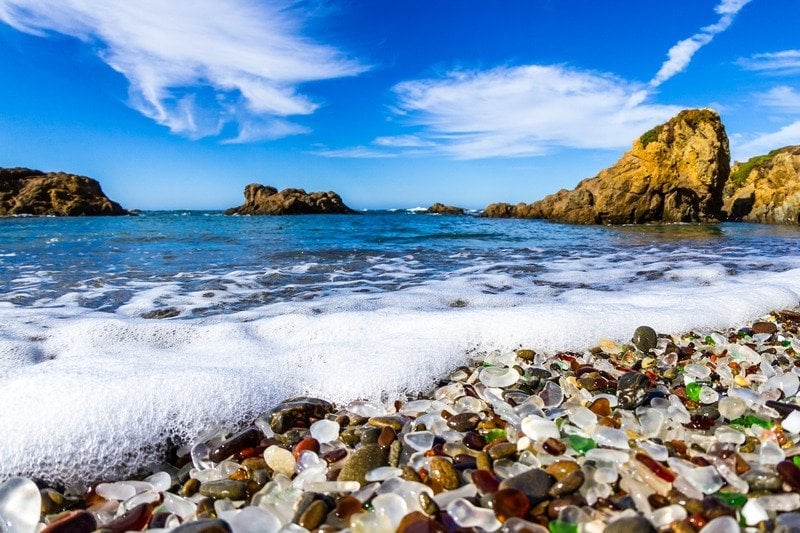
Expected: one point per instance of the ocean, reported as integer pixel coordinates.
(121, 333)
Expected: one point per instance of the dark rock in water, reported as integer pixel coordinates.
(631, 524)
(31, 192)
(74, 522)
(209, 525)
(645, 338)
(265, 200)
(535, 483)
(297, 411)
(673, 173)
(364, 459)
(167, 312)
(442, 209)
(632, 389)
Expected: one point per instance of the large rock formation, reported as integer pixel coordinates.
(674, 173)
(443, 209)
(31, 192)
(265, 200)
(766, 188)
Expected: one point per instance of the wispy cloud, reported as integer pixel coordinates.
(785, 62)
(354, 152)
(530, 110)
(515, 112)
(783, 97)
(761, 144)
(196, 66)
(680, 55)
(527, 110)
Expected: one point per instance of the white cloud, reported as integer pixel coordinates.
(785, 62)
(196, 66)
(524, 111)
(680, 55)
(766, 142)
(783, 97)
(354, 152)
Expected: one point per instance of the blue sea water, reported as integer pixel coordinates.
(377, 305)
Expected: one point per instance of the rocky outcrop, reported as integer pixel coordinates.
(264, 200)
(674, 173)
(766, 188)
(31, 192)
(442, 209)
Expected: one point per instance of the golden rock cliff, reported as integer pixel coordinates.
(674, 173)
(766, 188)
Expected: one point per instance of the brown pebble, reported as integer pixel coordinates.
(765, 327)
(789, 473)
(394, 422)
(502, 450)
(482, 461)
(526, 355)
(190, 488)
(335, 455)
(245, 439)
(418, 522)
(409, 474)
(474, 441)
(73, 522)
(442, 472)
(568, 484)
(346, 506)
(601, 407)
(254, 463)
(134, 520)
(562, 469)
(464, 422)
(555, 506)
(387, 437)
(309, 444)
(313, 516)
(554, 446)
(509, 503)
(485, 481)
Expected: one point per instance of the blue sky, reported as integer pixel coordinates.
(390, 103)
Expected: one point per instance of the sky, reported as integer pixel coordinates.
(178, 104)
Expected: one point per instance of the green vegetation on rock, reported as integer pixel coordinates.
(739, 175)
(650, 135)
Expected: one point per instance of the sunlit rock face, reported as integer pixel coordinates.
(673, 173)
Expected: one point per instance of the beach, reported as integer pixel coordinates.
(689, 432)
(136, 360)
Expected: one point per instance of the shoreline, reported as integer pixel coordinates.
(667, 432)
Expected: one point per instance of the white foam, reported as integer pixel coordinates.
(86, 394)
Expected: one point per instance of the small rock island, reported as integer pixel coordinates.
(32, 192)
(264, 200)
(439, 208)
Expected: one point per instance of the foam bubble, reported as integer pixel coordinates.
(87, 394)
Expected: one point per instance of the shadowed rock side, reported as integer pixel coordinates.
(265, 200)
(31, 192)
(766, 188)
(442, 209)
(674, 173)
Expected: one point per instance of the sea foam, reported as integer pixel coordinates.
(87, 394)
